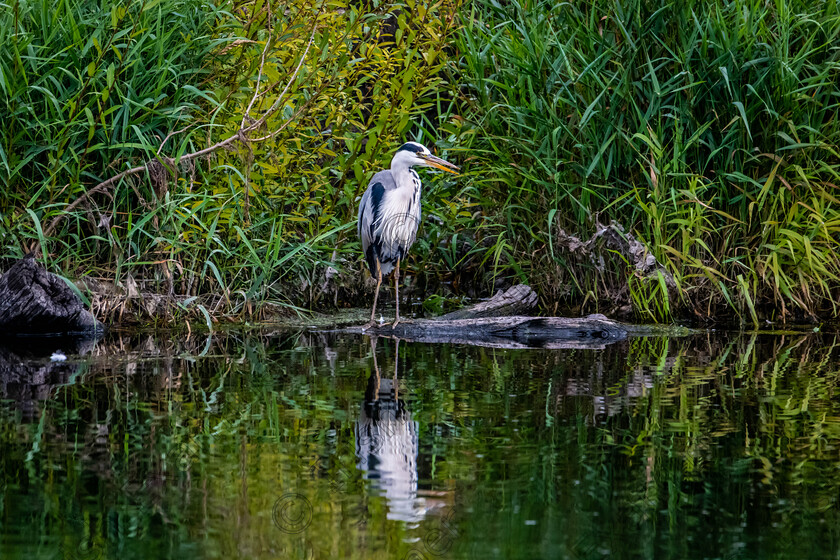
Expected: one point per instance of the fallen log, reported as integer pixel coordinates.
(595, 331)
(36, 302)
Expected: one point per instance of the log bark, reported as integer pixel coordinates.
(34, 301)
(594, 331)
(516, 300)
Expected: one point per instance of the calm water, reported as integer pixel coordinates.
(293, 446)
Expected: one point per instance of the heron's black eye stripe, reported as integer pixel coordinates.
(411, 147)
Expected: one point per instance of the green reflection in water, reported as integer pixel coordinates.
(292, 446)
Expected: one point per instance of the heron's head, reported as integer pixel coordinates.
(412, 153)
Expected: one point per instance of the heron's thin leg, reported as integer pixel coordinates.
(376, 295)
(397, 292)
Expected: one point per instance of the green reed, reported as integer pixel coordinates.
(709, 129)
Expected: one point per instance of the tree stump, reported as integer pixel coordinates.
(36, 302)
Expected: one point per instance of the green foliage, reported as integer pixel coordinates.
(370, 75)
(93, 91)
(709, 128)
(88, 88)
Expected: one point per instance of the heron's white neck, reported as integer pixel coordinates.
(403, 175)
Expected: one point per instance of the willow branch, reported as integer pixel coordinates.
(170, 135)
(273, 109)
(260, 73)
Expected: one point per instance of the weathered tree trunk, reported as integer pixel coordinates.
(34, 301)
(516, 300)
(594, 331)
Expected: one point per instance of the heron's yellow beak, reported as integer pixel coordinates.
(442, 164)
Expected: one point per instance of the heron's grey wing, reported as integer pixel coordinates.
(364, 218)
(370, 207)
(369, 226)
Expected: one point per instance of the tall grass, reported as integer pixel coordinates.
(708, 128)
(84, 85)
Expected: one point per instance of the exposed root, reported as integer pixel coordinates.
(609, 249)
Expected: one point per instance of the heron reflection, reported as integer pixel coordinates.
(387, 444)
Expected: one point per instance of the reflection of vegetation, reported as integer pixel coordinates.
(679, 443)
(688, 447)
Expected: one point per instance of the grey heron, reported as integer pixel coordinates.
(389, 215)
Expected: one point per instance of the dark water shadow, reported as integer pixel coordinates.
(32, 366)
